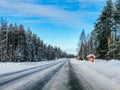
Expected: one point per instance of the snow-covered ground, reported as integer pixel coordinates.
(7, 67)
(102, 73)
(29, 79)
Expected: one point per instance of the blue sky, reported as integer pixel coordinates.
(56, 22)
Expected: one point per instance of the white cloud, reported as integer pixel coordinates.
(29, 21)
(52, 13)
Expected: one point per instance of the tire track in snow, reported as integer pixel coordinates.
(23, 70)
(5, 79)
(60, 79)
(74, 83)
(39, 85)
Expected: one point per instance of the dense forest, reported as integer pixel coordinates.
(104, 40)
(20, 45)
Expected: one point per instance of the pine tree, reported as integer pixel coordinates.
(4, 40)
(113, 52)
(103, 28)
(19, 45)
(81, 46)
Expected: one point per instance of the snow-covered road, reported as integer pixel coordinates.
(84, 75)
(30, 78)
(63, 74)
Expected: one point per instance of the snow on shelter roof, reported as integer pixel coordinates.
(90, 55)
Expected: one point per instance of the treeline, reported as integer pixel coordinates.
(104, 40)
(20, 45)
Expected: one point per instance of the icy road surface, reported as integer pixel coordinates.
(62, 74)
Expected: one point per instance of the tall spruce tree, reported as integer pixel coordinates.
(81, 46)
(103, 28)
(114, 48)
